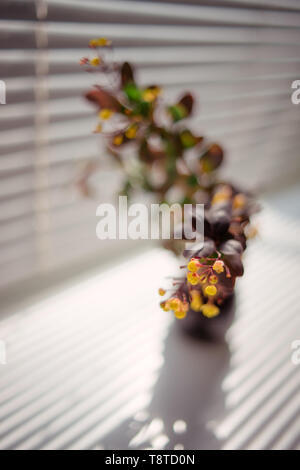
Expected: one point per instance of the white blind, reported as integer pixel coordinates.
(238, 57)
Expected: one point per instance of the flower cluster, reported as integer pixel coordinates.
(172, 156)
(211, 271)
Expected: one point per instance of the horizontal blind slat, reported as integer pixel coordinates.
(18, 10)
(70, 109)
(61, 86)
(15, 63)
(67, 35)
(144, 13)
(292, 5)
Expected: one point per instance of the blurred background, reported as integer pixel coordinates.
(91, 362)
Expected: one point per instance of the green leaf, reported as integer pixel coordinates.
(177, 112)
(133, 93)
(143, 108)
(187, 139)
(192, 180)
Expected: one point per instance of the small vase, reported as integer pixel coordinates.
(211, 329)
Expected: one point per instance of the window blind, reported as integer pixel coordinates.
(239, 59)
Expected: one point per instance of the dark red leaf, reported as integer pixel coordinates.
(187, 102)
(234, 264)
(231, 251)
(219, 222)
(212, 158)
(103, 99)
(127, 75)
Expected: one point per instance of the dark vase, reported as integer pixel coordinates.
(211, 329)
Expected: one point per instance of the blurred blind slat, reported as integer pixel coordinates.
(239, 58)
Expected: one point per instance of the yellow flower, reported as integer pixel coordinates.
(105, 114)
(165, 306)
(219, 197)
(148, 95)
(161, 291)
(117, 140)
(131, 132)
(239, 201)
(210, 290)
(180, 314)
(174, 303)
(196, 302)
(213, 279)
(99, 42)
(95, 61)
(210, 310)
(193, 278)
(222, 195)
(93, 43)
(218, 266)
(193, 265)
